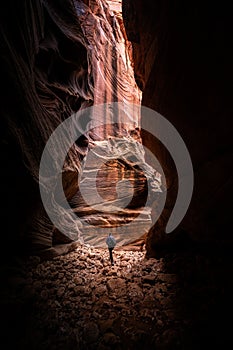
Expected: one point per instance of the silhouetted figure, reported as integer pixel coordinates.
(111, 242)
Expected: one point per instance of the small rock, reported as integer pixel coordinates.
(91, 332)
(110, 339)
(82, 290)
(159, 323)
(60, 292)
(44, 294)
(96, 315)
(149, 279)
(135, 292)
(100, 290)
(78, 280)
(117, 285)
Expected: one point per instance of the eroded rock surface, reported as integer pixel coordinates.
(117, 189)
(62, 59)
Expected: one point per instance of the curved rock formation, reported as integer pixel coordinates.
(60, 58)
(121, 203)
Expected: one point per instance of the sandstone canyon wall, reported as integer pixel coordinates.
(183, 63)
(59, 58)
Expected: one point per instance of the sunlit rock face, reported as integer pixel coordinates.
(182, 62)
(105, 201)
(60, 58)
(113, 194)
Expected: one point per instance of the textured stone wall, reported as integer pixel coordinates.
(182, 60)
(59, 58)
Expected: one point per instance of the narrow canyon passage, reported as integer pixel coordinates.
(115, 167)
(114, 58)
(114, 178)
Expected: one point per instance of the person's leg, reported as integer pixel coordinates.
(110, 253)
(111, 256)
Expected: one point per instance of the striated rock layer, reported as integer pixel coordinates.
(60, 58)
(121, 204)
(113, 141)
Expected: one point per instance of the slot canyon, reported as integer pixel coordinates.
(111, 62)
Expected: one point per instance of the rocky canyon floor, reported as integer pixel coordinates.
(79, 301)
